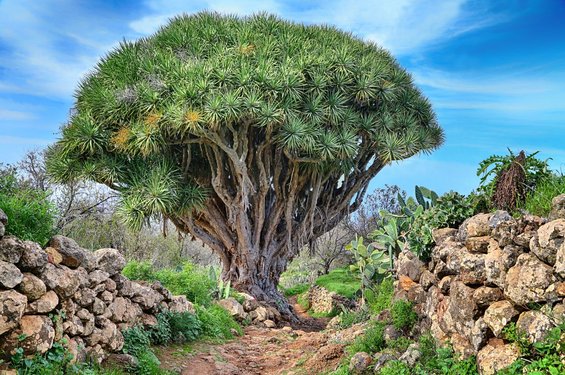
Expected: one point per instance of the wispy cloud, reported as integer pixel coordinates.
(6, 114)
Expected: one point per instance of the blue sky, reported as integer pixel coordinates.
(494, 71)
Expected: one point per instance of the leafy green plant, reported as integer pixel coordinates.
(136, 339)
(349, 318)
(403, 315)
(380, 298)
(217, 323)
(371, 341)
(371, 263)
(184, 326)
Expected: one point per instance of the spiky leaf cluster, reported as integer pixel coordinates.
(328, 99)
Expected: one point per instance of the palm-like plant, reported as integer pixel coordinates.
(254, 134)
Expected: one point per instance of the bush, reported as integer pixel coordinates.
(30, 214)
(403, 315)
(136, 339)
(382, 297)
(349, 318)
(184, 326)
(217, 323)
(342, 281)
(538, 202)
(370, 342)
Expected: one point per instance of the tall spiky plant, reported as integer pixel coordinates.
(256, 135)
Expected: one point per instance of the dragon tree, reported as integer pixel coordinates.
(253, 134)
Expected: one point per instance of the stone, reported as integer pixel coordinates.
(498, 315)
(409, 265)
(558, 313)
(36, 335)
(485, 295)
(441, 234)
(380, 359)
(97, 277)
(534, 324)
(3, 217)
(477, 244)
(359, 363)
(390, 333)
(159, 288)
(53, 256)
(560, 262)
(145, 296)
(549, 238)
(108, 336)
(73, 255)
(61, 279)
(10, 275)
(269, 323)
(34, 258)
(478, 335)
(493, 358)
(120, 360)
(110, 285)
(88, 321)
(498, 261)
(11, 249)
(98, 306)
(84, 297)
(445, 284)
(411, 355)
(123, 310)
(250, 304)
(12, 307)
(472, 268)
(43, 305)
(233, 307)
(499, 217)
(110, 260)
(476, 226)
(181, 304)
(557, 207)
(460, 311)
(427, 279)
(527, 281)
(106, 296)
(261, 314)
(32, 286)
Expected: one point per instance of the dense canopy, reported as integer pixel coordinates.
(254, 134)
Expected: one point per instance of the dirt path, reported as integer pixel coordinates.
(260, 351)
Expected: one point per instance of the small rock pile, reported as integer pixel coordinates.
(491, 271)
(252, 311)
(65, 291)
(322, 300)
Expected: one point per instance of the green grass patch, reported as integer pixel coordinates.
(539, 201)
(295, 290)
(342, 281)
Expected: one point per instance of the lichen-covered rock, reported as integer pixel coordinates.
(124, 311)
(476, 226)
(409, 265)
(84, 297)
(427, 279)
(61, 279)
(557, 207)
(441, 234)
(35, 335)
(528, 280)
(10, 275)
(498, 261)
(485, 295)
(3, 223)
(411, 355)
(472, 269)
(534, 324)
(11, 249)
(496, 356)
(43, 305)
(477, 244)
(32, 286)
(110, 260)
(498, 315)
(181, 304)
(359, 363)
(34, 258)
(461, 309)
(12, 307)
(234, 308)
(549, 238)
(558, 313)
(145, 296)
(73, 255)
(560, 261)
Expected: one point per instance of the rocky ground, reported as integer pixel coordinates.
(303, 349)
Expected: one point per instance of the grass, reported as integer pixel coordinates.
(295, 290)
(340, 280)
(539, 201)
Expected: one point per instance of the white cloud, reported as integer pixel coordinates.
(9, 115)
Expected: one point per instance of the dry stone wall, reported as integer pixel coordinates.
(65, 291)
(491, 271)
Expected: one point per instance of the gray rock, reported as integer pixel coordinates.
(560, 261)
(10, 275)
(498, 217)
(110, 260)
(73, 255)
(12, 307)
(359, 363)
(557, 207)
(43, 305)
(535, 324)
(528, 280)
(411, 355)
(34, 258)
(32, 286)
(549, 238)
(498, 315)
(11, 249)
(61, 279)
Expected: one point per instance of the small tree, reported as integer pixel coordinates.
(255, 135)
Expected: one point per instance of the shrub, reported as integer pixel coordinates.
(135, 270)
(161, 333)
(184, 326)
(349, 318)
(217, 323)
(136, 339)
(382, 296)
(30, 214)
(538, 202)
(403, 315)
(371, 341)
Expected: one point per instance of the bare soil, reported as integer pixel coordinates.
(260, 351)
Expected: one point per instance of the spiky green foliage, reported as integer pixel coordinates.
(268, 127)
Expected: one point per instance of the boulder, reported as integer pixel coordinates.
(88, 321)
(53, 255)
(36, 335)
(528, 280)
(460, 311)
(110, 260)
(477, 244)
(84, 297)
(359, 363)
(498, 261)
(234, 308)
(98, 306)
(476, 226)
(61, 279)
(10, 275)
(43, 305)
(123, 285)
(12, 307)
(549, 238)
(32, 286)
(496, 356)
(11, 249)
(441, 234)
(124, 311)
(557, 207)
(34, 258)
(409, 265)
(97, 277)
(499, 217)
(498, 315)
(485, 295)
(472, 269)
(73, 255)
(534, 324)
(145, 296)
(181, 304)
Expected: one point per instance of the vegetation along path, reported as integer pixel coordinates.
(287, 350)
